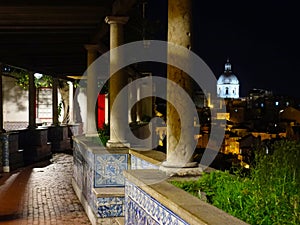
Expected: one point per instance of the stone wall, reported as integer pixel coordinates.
(125, 185)
(98, 179)
(150, 199)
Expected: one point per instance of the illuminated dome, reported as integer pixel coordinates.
(228, 84)
(228, 79)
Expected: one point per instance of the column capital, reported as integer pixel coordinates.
(91, 47)
(101, 48)
(116, 19)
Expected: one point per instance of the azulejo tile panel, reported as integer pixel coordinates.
(109, 169)
(137, 163)
(78, 168)
(140, 209)
(110, 207)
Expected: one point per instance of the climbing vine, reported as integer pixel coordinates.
(22, 79)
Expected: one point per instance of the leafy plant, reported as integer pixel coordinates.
(104, 133)
(269, 195)
(60, 107)
(22, 80)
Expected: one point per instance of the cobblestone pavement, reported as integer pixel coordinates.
(41, 194)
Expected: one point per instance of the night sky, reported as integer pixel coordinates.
(259, 37)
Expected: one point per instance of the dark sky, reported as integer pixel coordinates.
(259, 37)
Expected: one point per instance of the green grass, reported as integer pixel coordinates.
(269, 195)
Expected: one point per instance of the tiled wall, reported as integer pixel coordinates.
(109, 170)
(100, 171)
(138, 163)
(110, 207)
(141, 208)
(8, 126)
(104, 170)
(83, 171)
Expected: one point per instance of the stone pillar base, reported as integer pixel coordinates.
(181, 171)
(6, 169)
(91, 135)
(178, 165)
(117, 144)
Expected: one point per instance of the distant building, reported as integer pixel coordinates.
(228, 84)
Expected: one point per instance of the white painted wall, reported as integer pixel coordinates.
(15, 101)
(15, 104)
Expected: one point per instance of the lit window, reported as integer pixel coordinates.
(277, 103)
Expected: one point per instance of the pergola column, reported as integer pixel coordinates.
(92, 89)
(32, 102)
(179, 32)
(71, 105)
(55, 121)
(1, 101)
(118, 80)
(132, 113)
(4, 137)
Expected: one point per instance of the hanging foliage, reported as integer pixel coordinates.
(22, 79)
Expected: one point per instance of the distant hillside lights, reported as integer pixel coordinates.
(228, 84)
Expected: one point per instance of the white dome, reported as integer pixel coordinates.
(228, 84)
(228, 79)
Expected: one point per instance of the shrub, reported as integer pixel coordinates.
(269, 195)
(104, 134)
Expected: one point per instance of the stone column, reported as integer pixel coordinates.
(138, 104)
(1, 101)
(71, 98)
(55, 121)
(119, 117)
(179, 32)
(92, 91)
(32, 102)
(3, 135)
(133, 100)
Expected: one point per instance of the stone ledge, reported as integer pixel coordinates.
(120, 221)
(189, 208)
(93, 145)
(182, 172)
(110, 221)
(109, 192)
(151, 156)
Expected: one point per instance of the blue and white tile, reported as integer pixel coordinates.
(140, 208)
(109, 169)
(110, 207)
(138, 163)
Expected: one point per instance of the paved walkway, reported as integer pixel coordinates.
(41, 194)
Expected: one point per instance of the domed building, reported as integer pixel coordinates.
(228, 84)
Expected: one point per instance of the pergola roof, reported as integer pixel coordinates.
(49, 36)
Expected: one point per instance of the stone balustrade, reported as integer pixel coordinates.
(150, 202)
(123, 186)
